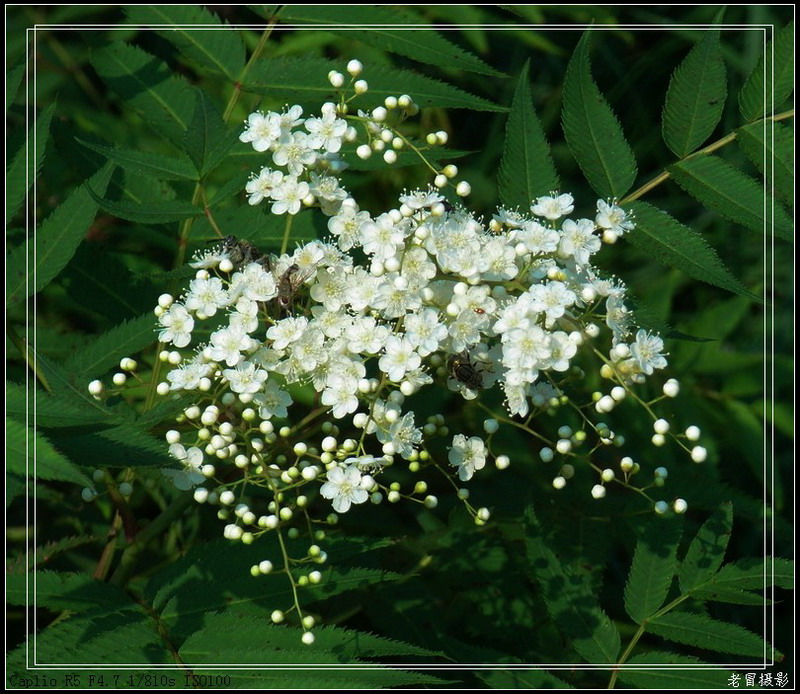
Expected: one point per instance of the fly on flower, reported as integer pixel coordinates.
(242, 253)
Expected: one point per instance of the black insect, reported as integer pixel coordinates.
(241, 253)
(288, 285)
(465, 371)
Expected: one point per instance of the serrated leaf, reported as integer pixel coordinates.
(303, 79)
(207, 141)
(164, 410)
(124, 445)
(776, 162)
(76, 592)
(56, 239)
(234, 630)
(571, 601)
(220, 50)
(695, 97)
(107, 349)
(756, 97)
(754, 574)
(707, 549)
(125, 638)
(99, 281)
(147, 163)
(13, 80)
(695, 675)
(729, 192)
(148, 86)
(710, 634)
(29, 453)
(652, 570)
(733, 596)
(216, 572)
(305, 675)
(372, 24)
(24, 167)
(593, 132)
(52, 410)
(157, 212)
(526, 169)
(673, 244)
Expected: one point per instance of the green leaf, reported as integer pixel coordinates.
(762, 86)
(696, 97)
(754, 574)
(107, 349)
(732, 194)
(57, 237)
(694, 675)
(707, 549)
(121, 446)
(24, 167)
(654, 564)
(292, 78)
(76, 592)
(28, 453)
(571, 601)
(219, 50)
(148, 86)
(125, 638)
(147, 163)
(776, 162)
(13, 80)
(157, 212)
(733, 596)
(207, 141)
(710, 634)
(234, 630)
(673, 244)
(593, 132)
(369, 24)
(526, 169)
(54, 411)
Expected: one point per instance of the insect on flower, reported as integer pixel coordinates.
(242, 253)
(465, 371)
(288, 284)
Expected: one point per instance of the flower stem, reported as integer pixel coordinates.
(286, 233)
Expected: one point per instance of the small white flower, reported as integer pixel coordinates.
(272, 401)
(206, 296)
(228, 343)
(261, 186)
(326, 132)
(553, 208)
(178, 325)
(288, 196)
(468, 455)
(245, 377)
(613, 218)
(399, 357)
(192, 459)
(344, 488)
(578, 240)
(261, 130)
(646, 352)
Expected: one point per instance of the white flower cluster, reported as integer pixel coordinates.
(422, 295)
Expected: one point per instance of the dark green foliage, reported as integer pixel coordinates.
(526, 169)
(593, 132)
(696, 97)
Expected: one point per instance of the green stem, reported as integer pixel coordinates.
(286, 233)
(713, 147)
(638, 635)
(28, 355)
(237, 88)
(162, 522)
